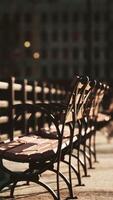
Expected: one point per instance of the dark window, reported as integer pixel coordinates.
(65, 35)
(44, 53)
(75, 17)
(75, 69)
(106, 35)
(55, 35)
(107, 70)
(75, 52)
(54, 53)
(75, 36)
(97, 17)
(15, 29)
(87, 69)
(28, 18)
(17, 73)
(5, 53)
(5, 21)
(44, 36)
(86, 35)
(107, 52)
(15, 26)
(5, 29)
(96, 35)
(65, 17)
(28, 71)
(65, 71)
(6, 18)
(85, 17)
(28, 35)
(96, 67)
(44, 17)
(96, 52)
(44, 72)
(55, 70)
(16, 37)
(65, 53)
(55, 17)
(86, 53)
(5, 36)
(106, 16)
(16, 18)
(28, 52)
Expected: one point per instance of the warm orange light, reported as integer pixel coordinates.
(36, 55)
(27, 44)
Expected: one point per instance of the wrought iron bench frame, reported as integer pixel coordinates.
(33, 172)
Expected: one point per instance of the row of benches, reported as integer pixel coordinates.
(64, 127)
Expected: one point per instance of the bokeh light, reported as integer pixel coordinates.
(27, 44)
(36, 55)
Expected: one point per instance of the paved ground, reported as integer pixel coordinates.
(99, 186)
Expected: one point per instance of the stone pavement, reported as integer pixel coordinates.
(99, 186)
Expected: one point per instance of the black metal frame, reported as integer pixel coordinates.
(88, 123)
(85, 95)
(36, 168)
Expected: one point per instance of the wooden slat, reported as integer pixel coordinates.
(4, 119)
(28, 88)
(4, 103)
(53, 90)
(38, 89)
(17, 87)
(4, 85)
(46, 90)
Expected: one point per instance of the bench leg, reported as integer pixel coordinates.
(94, 147)
(12, 189)
(65, 180)
(49, 189)
(86, 156)
(81, 163)
(76, 172)
(37, 182)
(28, 175)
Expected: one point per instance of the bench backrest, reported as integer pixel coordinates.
(14, 92)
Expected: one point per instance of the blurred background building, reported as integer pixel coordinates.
(53, 39)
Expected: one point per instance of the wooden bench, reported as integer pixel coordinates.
(88, 123)
(39, 152)
(60, 133)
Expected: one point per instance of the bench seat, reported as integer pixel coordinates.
(30, 148)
